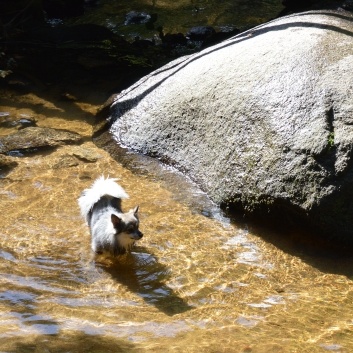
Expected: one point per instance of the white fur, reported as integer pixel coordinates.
(125, 240)
(100, 188)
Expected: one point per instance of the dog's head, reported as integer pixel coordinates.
(127, 232)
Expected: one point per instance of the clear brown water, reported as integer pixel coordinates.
(196, 282)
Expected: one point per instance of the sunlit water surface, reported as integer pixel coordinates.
(196, 282)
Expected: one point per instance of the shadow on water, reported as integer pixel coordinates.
(71, 342)
(294, 239)
(143, 275)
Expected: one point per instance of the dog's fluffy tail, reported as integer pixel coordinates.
(100, 188)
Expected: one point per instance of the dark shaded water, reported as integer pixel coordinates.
(179, 16)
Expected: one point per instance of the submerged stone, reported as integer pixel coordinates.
(7, 162)
(262, 121)
(37, 137)
(65, 161)
(85, 153)
(134, 17)
(200, 32)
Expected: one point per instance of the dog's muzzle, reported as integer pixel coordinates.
(136, 235)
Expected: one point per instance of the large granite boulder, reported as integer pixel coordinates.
(262, 121)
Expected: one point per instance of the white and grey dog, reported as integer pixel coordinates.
(111, 230)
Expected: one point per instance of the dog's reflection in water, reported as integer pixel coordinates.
(142, 274)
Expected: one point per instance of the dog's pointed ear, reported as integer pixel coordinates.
(136, 209)
(115, 220)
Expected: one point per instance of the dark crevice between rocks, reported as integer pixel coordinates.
(101, 123)
(327, 158)
(42, 150)
(341, 202)
(330, 117)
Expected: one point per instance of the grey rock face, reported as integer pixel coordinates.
(262, 121)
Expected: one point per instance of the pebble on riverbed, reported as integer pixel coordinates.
(86, 154)
(64, 161)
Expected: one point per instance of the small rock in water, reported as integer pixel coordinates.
(34, 137)
(26, 123)
(331, 347)
(4, 73)
(134, 18)
(200, 32)
(87, 154)
(65, 161)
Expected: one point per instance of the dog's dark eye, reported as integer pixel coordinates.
(129, 230)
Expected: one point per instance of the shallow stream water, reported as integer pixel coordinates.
(198, 281)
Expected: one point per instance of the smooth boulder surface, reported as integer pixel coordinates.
(262, 121)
